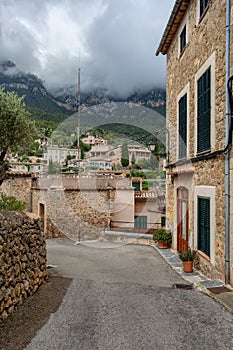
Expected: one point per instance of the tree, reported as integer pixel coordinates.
(133, 160)
(53, 167)
(17, 130)
(124, 155)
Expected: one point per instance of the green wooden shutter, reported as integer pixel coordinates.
(203, 112)
(204, 225)
(163, 221)
(136, 185)
(140, 222)
(183, 126)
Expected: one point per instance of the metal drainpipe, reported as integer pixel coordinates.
(227, 158)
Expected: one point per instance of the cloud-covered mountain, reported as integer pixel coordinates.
(57, 104)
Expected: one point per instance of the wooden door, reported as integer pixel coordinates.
(182, 219)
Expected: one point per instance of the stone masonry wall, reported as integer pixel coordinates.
(22, 259)
(80, 208)
(231, 159)
(19, 187)
(206, 39)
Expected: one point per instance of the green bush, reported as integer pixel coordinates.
(163, 235)
(10, 203)
(145, 185)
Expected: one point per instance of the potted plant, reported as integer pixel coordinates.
(187, 258)
(163, 237)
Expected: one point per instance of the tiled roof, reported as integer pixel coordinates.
(176, 17)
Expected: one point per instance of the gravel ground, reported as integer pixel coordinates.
(18, 329)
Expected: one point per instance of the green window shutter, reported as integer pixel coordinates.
(203, 112)
(204, 225)
(163, 221)
(136, 185)
(183, 126)
(140, 222)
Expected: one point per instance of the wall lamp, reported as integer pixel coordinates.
(151, 144)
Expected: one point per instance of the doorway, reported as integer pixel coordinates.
(182, 219)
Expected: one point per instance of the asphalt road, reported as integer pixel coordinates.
(122, 297)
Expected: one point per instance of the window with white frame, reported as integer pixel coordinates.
(183, 35)
(204, 222)
(203, 6)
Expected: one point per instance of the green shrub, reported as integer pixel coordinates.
(163, 235)
(10, 203)
(189, 255)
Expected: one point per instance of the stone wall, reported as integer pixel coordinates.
(82, 207)
(205, 43)
(22, 259)
(204, 39)
(18, 186)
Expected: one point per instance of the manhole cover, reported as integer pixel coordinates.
(183, 286)
(219, 290)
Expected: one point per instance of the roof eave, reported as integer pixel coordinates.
(176, 16)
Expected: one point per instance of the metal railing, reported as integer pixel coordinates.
(130, 227)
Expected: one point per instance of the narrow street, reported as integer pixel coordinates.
(122, 297)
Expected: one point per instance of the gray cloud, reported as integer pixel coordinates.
(116, 40)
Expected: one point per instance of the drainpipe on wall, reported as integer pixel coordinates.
(227, 157)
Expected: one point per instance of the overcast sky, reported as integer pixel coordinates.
(116, 41)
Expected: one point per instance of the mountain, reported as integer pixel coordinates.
(66, 97)
(39, 101)
(56, 105)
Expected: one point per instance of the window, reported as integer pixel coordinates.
(140, 222)
(183, 39)
(182, 126)
(203, 6)
(203, 228)
(137, 186)
(163, 221)
(203, 111)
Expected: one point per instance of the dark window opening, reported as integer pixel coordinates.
(183, 39)
(137, 186)
(183, 126)
(163, 221)
(203, 5)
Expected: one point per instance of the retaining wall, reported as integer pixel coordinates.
(22, 259)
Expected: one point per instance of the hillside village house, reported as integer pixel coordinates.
(198, 44)
(59, 155)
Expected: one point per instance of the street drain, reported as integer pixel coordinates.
(219, 290)
(183, 286)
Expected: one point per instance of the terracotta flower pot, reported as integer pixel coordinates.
(187, 266)
(162, 245)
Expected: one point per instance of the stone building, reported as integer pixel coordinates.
(81, 207)
(59, 155)
(195, 44)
